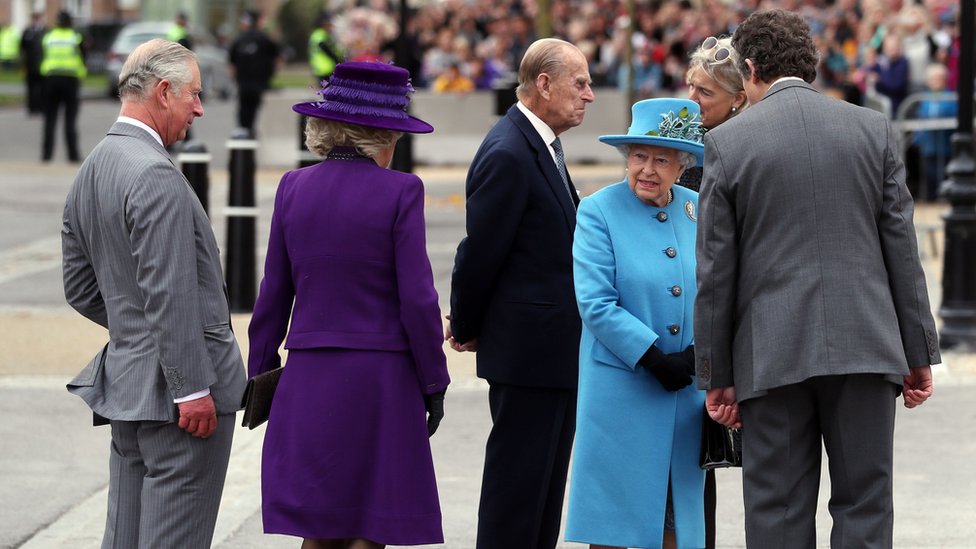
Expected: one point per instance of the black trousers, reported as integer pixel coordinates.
(61, 91)
(249, 98)
(35, 92)
(526, 462)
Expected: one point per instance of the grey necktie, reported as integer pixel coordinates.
(557, 146)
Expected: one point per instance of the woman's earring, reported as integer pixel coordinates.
(734, 109)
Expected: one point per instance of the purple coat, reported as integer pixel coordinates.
(348, 248)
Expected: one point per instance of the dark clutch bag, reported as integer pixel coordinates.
(721, 446)
(258, 394)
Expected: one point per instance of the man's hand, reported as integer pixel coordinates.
(466, 347)
(918, 386)
(723, 407)
(198, 417)
(434, 404)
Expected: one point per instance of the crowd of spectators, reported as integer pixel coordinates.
(871, 49)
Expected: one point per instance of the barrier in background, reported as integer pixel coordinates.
(194, 161)
(241, 215)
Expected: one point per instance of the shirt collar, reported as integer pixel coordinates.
(543, 129)
(783, 79)
(143, 125)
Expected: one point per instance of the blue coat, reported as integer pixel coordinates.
(631, 431)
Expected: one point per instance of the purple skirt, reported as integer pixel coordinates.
(346, 453)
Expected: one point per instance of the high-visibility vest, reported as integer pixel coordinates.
(318, 60)
(62, 54)
(176, 33)
(9, 44)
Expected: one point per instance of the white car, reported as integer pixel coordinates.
(212, 58)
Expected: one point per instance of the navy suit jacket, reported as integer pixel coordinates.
(512, 286)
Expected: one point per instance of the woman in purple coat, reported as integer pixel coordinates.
(347, 461)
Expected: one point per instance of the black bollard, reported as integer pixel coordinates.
(194, 161)
(241, 215)
(402, 160)
(305, 157)
(504, 90)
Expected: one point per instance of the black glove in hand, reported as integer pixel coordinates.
(434, 404)
(686, 357)
(671, 371)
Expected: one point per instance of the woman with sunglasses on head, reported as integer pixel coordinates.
(716, 85)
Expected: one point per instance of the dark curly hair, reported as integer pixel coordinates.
(779, 44)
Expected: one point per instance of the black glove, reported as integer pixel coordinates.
(671, 371)
(434, 404)
(686, 357)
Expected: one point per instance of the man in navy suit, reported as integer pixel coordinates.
(512, 298)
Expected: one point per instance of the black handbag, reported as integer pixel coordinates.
(258, 394)
(721, 446)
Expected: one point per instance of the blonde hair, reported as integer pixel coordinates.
(725, 73)
(322, 135)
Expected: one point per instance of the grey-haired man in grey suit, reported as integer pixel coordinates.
(140, 259)
(812, 312)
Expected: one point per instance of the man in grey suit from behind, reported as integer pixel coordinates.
(812, 311)
(140, 258)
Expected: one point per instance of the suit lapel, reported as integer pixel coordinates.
(547, 166)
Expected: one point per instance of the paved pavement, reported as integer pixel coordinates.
(53, 466)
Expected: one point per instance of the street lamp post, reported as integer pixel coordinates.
(958, 309)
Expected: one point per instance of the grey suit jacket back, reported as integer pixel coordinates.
(807, 255)
(140, 258)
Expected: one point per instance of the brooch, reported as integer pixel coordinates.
(690, 210)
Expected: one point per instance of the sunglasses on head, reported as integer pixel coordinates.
(720, 55)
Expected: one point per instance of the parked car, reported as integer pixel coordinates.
(99, 36)
(211, 58)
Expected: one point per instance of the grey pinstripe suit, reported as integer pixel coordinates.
(140, 259)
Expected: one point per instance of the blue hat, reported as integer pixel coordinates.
(664, 122)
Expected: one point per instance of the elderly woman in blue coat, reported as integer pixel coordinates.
(635, 480)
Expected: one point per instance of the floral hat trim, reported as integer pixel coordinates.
(684, 125)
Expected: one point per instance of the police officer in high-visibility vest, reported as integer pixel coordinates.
(323, 51)
(179, 33)
(63, 67)
(9, 47)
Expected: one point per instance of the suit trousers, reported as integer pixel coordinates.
(58, 91)
(854, 417)
(526, 462)
(165, 485)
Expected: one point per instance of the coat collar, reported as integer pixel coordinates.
(787, 84)
(129, 130)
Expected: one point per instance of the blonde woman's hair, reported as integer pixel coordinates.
(322, 135)
(725, 73)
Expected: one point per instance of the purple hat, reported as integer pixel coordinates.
(370, 94)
